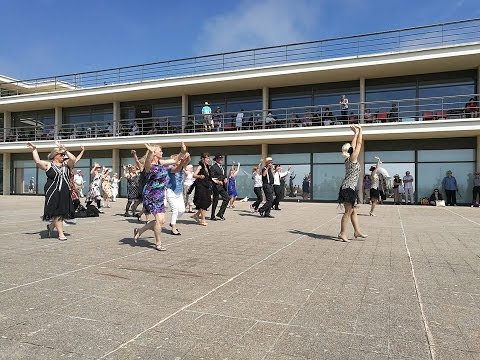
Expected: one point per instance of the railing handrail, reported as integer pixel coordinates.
(326, 40)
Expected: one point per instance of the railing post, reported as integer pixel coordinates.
(118, 76)
(223, 61)
(141, 76)
(286, 53)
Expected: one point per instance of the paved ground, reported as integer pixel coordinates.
(246, 288)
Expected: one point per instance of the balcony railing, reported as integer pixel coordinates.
(404, 110)
(393, 41)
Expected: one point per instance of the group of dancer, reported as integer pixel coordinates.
(154, 181)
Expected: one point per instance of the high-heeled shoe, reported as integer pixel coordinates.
(195, 217)
(136, 235)
(372, 214)
(342, 238)
(361, 236)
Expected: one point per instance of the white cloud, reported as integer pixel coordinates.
(258, 23)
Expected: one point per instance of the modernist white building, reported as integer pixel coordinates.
(415, 90)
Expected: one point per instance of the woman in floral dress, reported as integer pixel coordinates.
(106, 187)
(154, 190)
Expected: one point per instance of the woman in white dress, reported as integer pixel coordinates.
(115, 181)
(187, 184)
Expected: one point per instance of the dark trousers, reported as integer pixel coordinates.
(268, 190)
(258, 193)
(278, 195)
(451, 197)
(476, 192)
(219, 192)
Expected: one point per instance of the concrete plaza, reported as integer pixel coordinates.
(244, 288)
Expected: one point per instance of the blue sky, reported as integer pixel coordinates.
(53, 37)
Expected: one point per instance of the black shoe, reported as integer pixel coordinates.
(221, 217)
(173, 233)
(277, 208)
(213, 218)
(261, 213)
(268, 216)
(126, 214)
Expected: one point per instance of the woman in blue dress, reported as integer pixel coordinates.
(232, 186)
(58, 201)
(154, 190)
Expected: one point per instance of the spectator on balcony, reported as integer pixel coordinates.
(307, 120)
(135, 130)
(328, 118)
(269, 121)
(153, 131)
(207, 117)
(343, 107)
(352, 118)
(239, 120)
(217, 119)
(109, 131)
(393, 114)
(471, 108)
(368, 116)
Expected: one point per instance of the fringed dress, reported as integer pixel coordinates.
(58, 201)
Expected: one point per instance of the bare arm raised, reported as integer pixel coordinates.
(44, 165)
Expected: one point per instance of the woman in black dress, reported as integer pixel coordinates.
(203, 189)
(58, 202)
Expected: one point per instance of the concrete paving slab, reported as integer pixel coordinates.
(244, 288)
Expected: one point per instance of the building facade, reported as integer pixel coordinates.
(415, 91)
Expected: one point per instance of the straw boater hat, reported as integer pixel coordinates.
(268, 159)
(206, 103)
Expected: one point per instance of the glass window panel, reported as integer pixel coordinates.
(446, 155)
(390, 156)
(105, 162)
(430, 176)
(277, 102)
(290, 159)
(328, 158)
(392, 169)
(22, 177)
(327, 179)
(294, 182)
(247, 159)
(41, 181)
(244, 182)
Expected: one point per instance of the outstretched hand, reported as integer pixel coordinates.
(31, 146)
(150, 147)
(133, 152)
(82, 147)
(183, 148)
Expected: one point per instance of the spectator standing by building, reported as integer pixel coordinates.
(397, 190)
(79, 183)
(408, 187)
(344, 108)
(306, 187)
(207, 116)
(239, 120)
(449, 184)
(476, 189)
(367, 185)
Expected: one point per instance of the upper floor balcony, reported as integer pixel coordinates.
(420, 115)
(358, 46)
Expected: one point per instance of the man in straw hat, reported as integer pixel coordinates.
(267, 179)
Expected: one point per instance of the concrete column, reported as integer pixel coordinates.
(6, 174)
(116, 117)
(478, 154)
(361, 160)
(7, 124)
(264, 151)
(116, 161)
(362, 101)
(184, 111)
(58, 120)
(265, 104)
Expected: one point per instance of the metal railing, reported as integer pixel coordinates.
(428, 36)
(404, 110)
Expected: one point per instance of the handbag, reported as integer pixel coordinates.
(439, 202)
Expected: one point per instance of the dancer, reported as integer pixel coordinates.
(154, 191)
(232, 188)
(187, 184)
(106, 187)
(217, 173)
(74, 193)
(131, 174)
(115, 181)
(374, 190)
(203, 186)
(141, 184)
(58, 202)
(347, 195)
(174, 193)
(267, 181)
(257, 186)
(95, 185)
(277, 185)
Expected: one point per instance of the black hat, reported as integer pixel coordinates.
(218, 156)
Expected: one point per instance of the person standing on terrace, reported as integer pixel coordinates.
(207, 116)
(239, 120)
(449, 184)
(344, 107)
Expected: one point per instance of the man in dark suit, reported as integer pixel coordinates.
(267, 179)
(219, 187)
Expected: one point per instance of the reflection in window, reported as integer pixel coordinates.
(327, 181)
(446, 155)
(390, 156)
